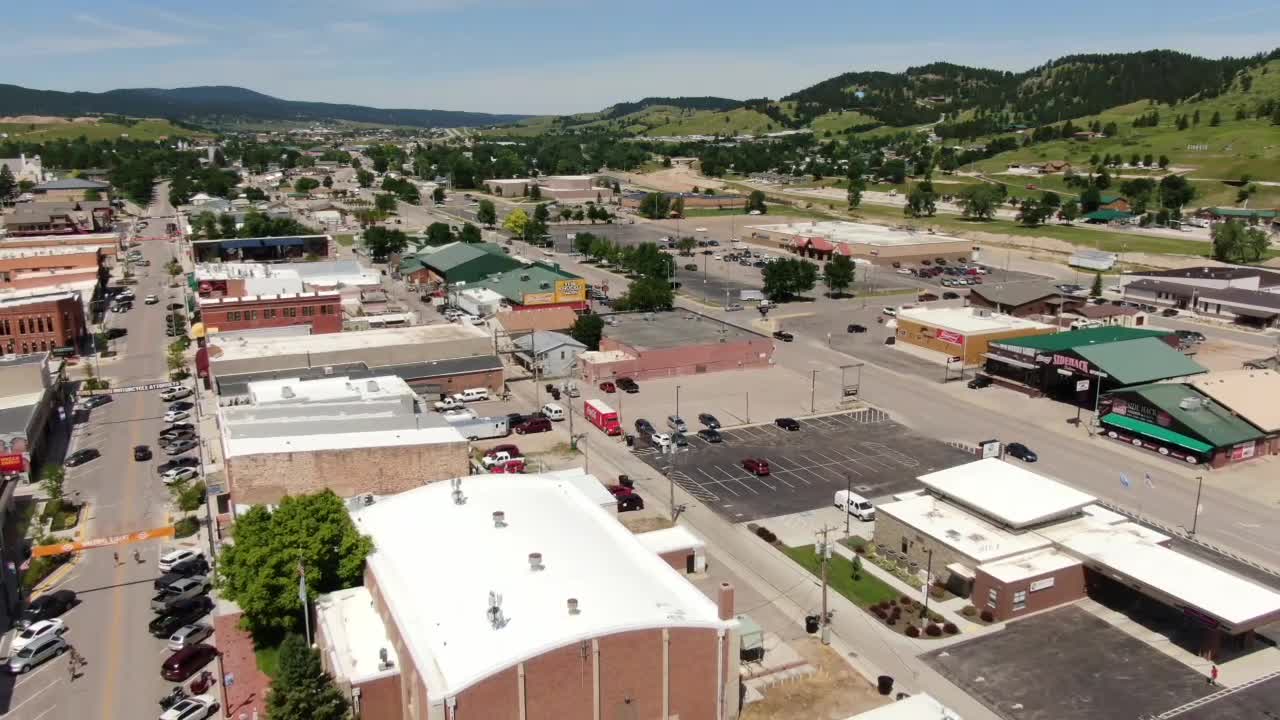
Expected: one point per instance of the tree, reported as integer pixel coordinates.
(327, 181)
(381, 242)
(470, 234)
(487, 214)
(647, 294)
(437, 195)
(227, 226)
(1164, 162)
(566, 214)
(894, 171)
(1102, 180)
(301, 688)
(439, 233)
(686, 245)
(579, 215)
(1070, 211)
(89, 195)
(788, 277)
(582, 243)
(364, 178)
(1031, 212)
(535, 192)
(541, 214)
(857, 184)
(587, 329)
(516, 222)
(838, 274)
(51, 482)
(920, 200)
(677, 207)
(1233, 241)
(261, 571)
(1090, 199)
(305, 184)
(755, 201)
(384, 202)
(7, 182)
(1096, 290)
(979, 201)
(655, 206)
(1176, 191)
(254, 194)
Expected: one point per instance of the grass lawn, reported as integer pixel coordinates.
(345, 240)
(268, 660)
(774, 209)
(144, 130)
(864, 592)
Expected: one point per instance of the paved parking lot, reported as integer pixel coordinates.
(864, 448)
(1066, 664)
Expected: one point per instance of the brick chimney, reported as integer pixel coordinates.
(724, 601)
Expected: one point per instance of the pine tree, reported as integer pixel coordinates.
(1216, 120)
(1096, 291)
(302, 690)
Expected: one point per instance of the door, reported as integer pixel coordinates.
(690, 563)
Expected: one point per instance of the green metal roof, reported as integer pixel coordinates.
(1244, 212)
(462, 262)
(1144, 360)
(1209, 420)
(530, 279)
(1155, 431)
(1075, 338)
(1108, 198)
(1107, 215)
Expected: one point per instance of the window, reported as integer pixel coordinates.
(291, 312)
(308, 311)
(1020, 600)
(993, 596)
(40, 324)
(250, 314)
(269, 314)
(233, 316)
(326, 309)
(22, 326)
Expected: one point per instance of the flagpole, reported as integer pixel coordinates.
(302, 595)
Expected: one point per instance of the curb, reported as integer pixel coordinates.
(54, 578)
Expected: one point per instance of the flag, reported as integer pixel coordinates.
(302, 585)
(1147, 477)
(1124, 480)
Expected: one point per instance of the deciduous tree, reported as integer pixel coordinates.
(588, 329)
(486, 213)
(838, 274)
(516, 222)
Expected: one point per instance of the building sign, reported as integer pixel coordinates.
(574, 290)
(990, 449)
(1141, 442)
(1082, 385)
(539, 298)
(1144, 413)
(133, 388)
(1043, 584)
(1069, 362)
(1243, 451)
(949, 337)
(13, 463)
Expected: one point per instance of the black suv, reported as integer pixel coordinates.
(47, 606)
(980, 382)
(787, 424)
(627, 385)
(182, 613)
(178, 462)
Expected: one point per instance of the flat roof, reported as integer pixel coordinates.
(274, 444)
(32, 297)
(356, 636)
(1103, 531)
(969, 320)
(676, 537)
(1144, 360)
(1032, 564)
(920, 706)
(1006, 493)
(840, 231)
(676, 328)
(213, 302)
(619, 584)
(238, 383)
(328, 389)
(962, 531)
(240, 348)
(1251, 394)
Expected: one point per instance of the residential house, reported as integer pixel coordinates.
(553, 354)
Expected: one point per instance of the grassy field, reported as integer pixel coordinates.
(145, 130)
(773, 209)
(837, 122)
(703, 122)
(864, 592)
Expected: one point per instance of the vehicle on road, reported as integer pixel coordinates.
(980, 381)
(192, 708)
(177, 475)
(733, 307)
(150, 300)
(183, 613)
(676, 423)
(710, 435)
(141, 453)
(1169, 312)
(175, 393)
(855, 505)
(608, 387)
(36, 631)
(94, 401)
(533, 425)
(38, 652)
(627, 385)
(184, 589)
(184, 663)
(786, 423)
(644, 427)
(691, 267)
(756, 466)
(1190, 336)
(182, 405)
(459, 415)
(1022, 452)
(662, 440)
(47, 606)
(552, 411)
(948, 295)
(903, 271)
(173, 557)
(783, 335)
(173, 416)
(890, 311)
(856, 328)
(178, 447)
(82, 456)
(709, 420)
(189, 635)
(602, 416)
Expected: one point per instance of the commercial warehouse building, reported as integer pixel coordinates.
(1023, 299)
(478, 604)
(1078, 365)
(691, 200)
(538, 287)
(1250, 395)
(879, 244)
(962, 332)
(553, 187)
(321, 312)
(264, 249)
(1177, 420)
(665, 344)
(456, 262)
(351, 436)
(1016, 542)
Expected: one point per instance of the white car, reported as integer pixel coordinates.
(151, 300)
(662, 440)
(174, 416)
(178, 475)
(175, 393)
(459, 415)
(34, 632)
(890, 311)
(173, 557)
(192, 708)
(904, 271)
(188, 635)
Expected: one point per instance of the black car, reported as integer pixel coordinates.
(94, 401)
(514, 419)
(629, 502)
(186, 612)
(627, 385)
(141, 453)
(644, 427)
(680, 440)
(81, 457)
(181, 405)
(980, 382)
(710, 435)
(787, 424)
(948, 295)
(1190, 336)
(1169, 312)
(783, 335)
(47, 606)
(178, 428)
(856, 328)
(709, 420)
(178, 462)
(1020, 451)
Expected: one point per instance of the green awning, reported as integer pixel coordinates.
(1156, 432)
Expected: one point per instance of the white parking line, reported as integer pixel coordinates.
(29, 676)
(733, 477)
(46, 712)
(713, 481)
(33, 695)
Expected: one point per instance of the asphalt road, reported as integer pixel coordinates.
(122, 680)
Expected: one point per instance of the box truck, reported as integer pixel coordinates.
(602, 416)
(483, 428)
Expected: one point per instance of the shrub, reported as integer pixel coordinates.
(879, 612)
(950, 628)
(186, 527)
(891, 621)
(987, 616)
(937, 592)
(913, 631)
(904, 600)
(969, 611)
(932, 630)
(766, 535)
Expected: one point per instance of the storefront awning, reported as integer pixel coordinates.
(1156, 432)
(1009, 361)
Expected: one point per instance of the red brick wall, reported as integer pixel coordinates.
(559, 685)
(631, 675)
(494, 698)
(41, 326)
(689, 360)
(380, 698)
(253, 314)
(693, 673)
(1068, 586)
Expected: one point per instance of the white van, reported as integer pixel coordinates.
(473, 394)
(553, 411)
(855, 505)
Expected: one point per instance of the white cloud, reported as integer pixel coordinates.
(87, 35)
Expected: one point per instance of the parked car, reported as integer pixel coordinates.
(189, 635)
(783, 335)
(676, 423)
(787, 424)
(94, 401)
(856, 328)
(510, 449)
(608, 387)
(756, 466)
(515, 465)
(151, 300)
(644, 427)
(35, 654)
(47, 606)
(174, 416)
(178, 428)
(180, 446)
(662, 440)
(629, 502)
(181, 405)
(177, 475)
(183, 613)
(980, 381)
(175, 393)
(184, 589)
(710, 435)
(190, 461)
(628, 385)
(81, 457)
(1169, 312)
(141, 453)
(709, 420)
(199, 707)
(948, 295)
(1020, 451)
(173, 557)
(184, 663)
(35, 632)
(533, 425)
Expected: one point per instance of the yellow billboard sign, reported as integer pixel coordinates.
(574, 290)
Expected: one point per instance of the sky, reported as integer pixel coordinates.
(566, 56)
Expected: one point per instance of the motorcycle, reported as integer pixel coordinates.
(173, 698)
(202, 683)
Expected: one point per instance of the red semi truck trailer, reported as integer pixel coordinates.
(602, 416)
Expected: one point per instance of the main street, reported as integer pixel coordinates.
(109, 625)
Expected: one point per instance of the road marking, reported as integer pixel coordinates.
(35, 694)
(46, 712)
(29, 676)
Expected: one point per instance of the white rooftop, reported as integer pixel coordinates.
(967, 320)
(676, 537)
(920, 706)
(1005, 493)
(840, 231)
(330, 389)
(240, 348)
(241, 446)
(964, 532)
(356, 635)
(619, 584)
(590, 486)
(47, 251)
(37, 295)
(1122, 532)
(1033, 564)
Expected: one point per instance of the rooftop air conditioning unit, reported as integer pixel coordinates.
(287, 392)
(1191, 403)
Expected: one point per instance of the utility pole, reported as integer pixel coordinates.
(928, 573)
(1195, 518)
(677, 401)
(813, 387)
(848, 488)
(824, 551)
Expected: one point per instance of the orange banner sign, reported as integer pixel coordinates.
(95, 543)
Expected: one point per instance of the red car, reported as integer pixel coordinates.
(533, 425)
(756, 466)
(510, 466)
(608, 387)
(508, 448)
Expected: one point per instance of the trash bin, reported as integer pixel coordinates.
(631, 440)
(884, 684)
(811, 624)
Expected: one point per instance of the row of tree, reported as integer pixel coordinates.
(651, 270)
(209, 226)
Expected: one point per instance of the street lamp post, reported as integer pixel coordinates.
(1195, 517)
(677, 401)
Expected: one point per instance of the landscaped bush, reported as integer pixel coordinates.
(937, 592)
(904, 600)
(879, 612)
(987, 616)
(913, 631)
(969, 611)
(766, 535)
(891, 621)
(932, 630)
(950, 628)
(186, 527)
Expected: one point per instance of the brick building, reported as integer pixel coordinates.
(664, 344)
(71, 189)
(36, 321)
(322, 311)
(1023, 299)
(962, 332)
(58, 218)
(536, 623)
(350, 436)
(33, 268)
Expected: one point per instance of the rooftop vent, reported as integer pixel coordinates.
(1191, 403)
(287, 392)
(573, 606)
(384, 660)
(544, 285)
(535, 562)
(524, 277)
(494, 613)
(458, 497)
(371, 386)
(367, 499)
(499, 519)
